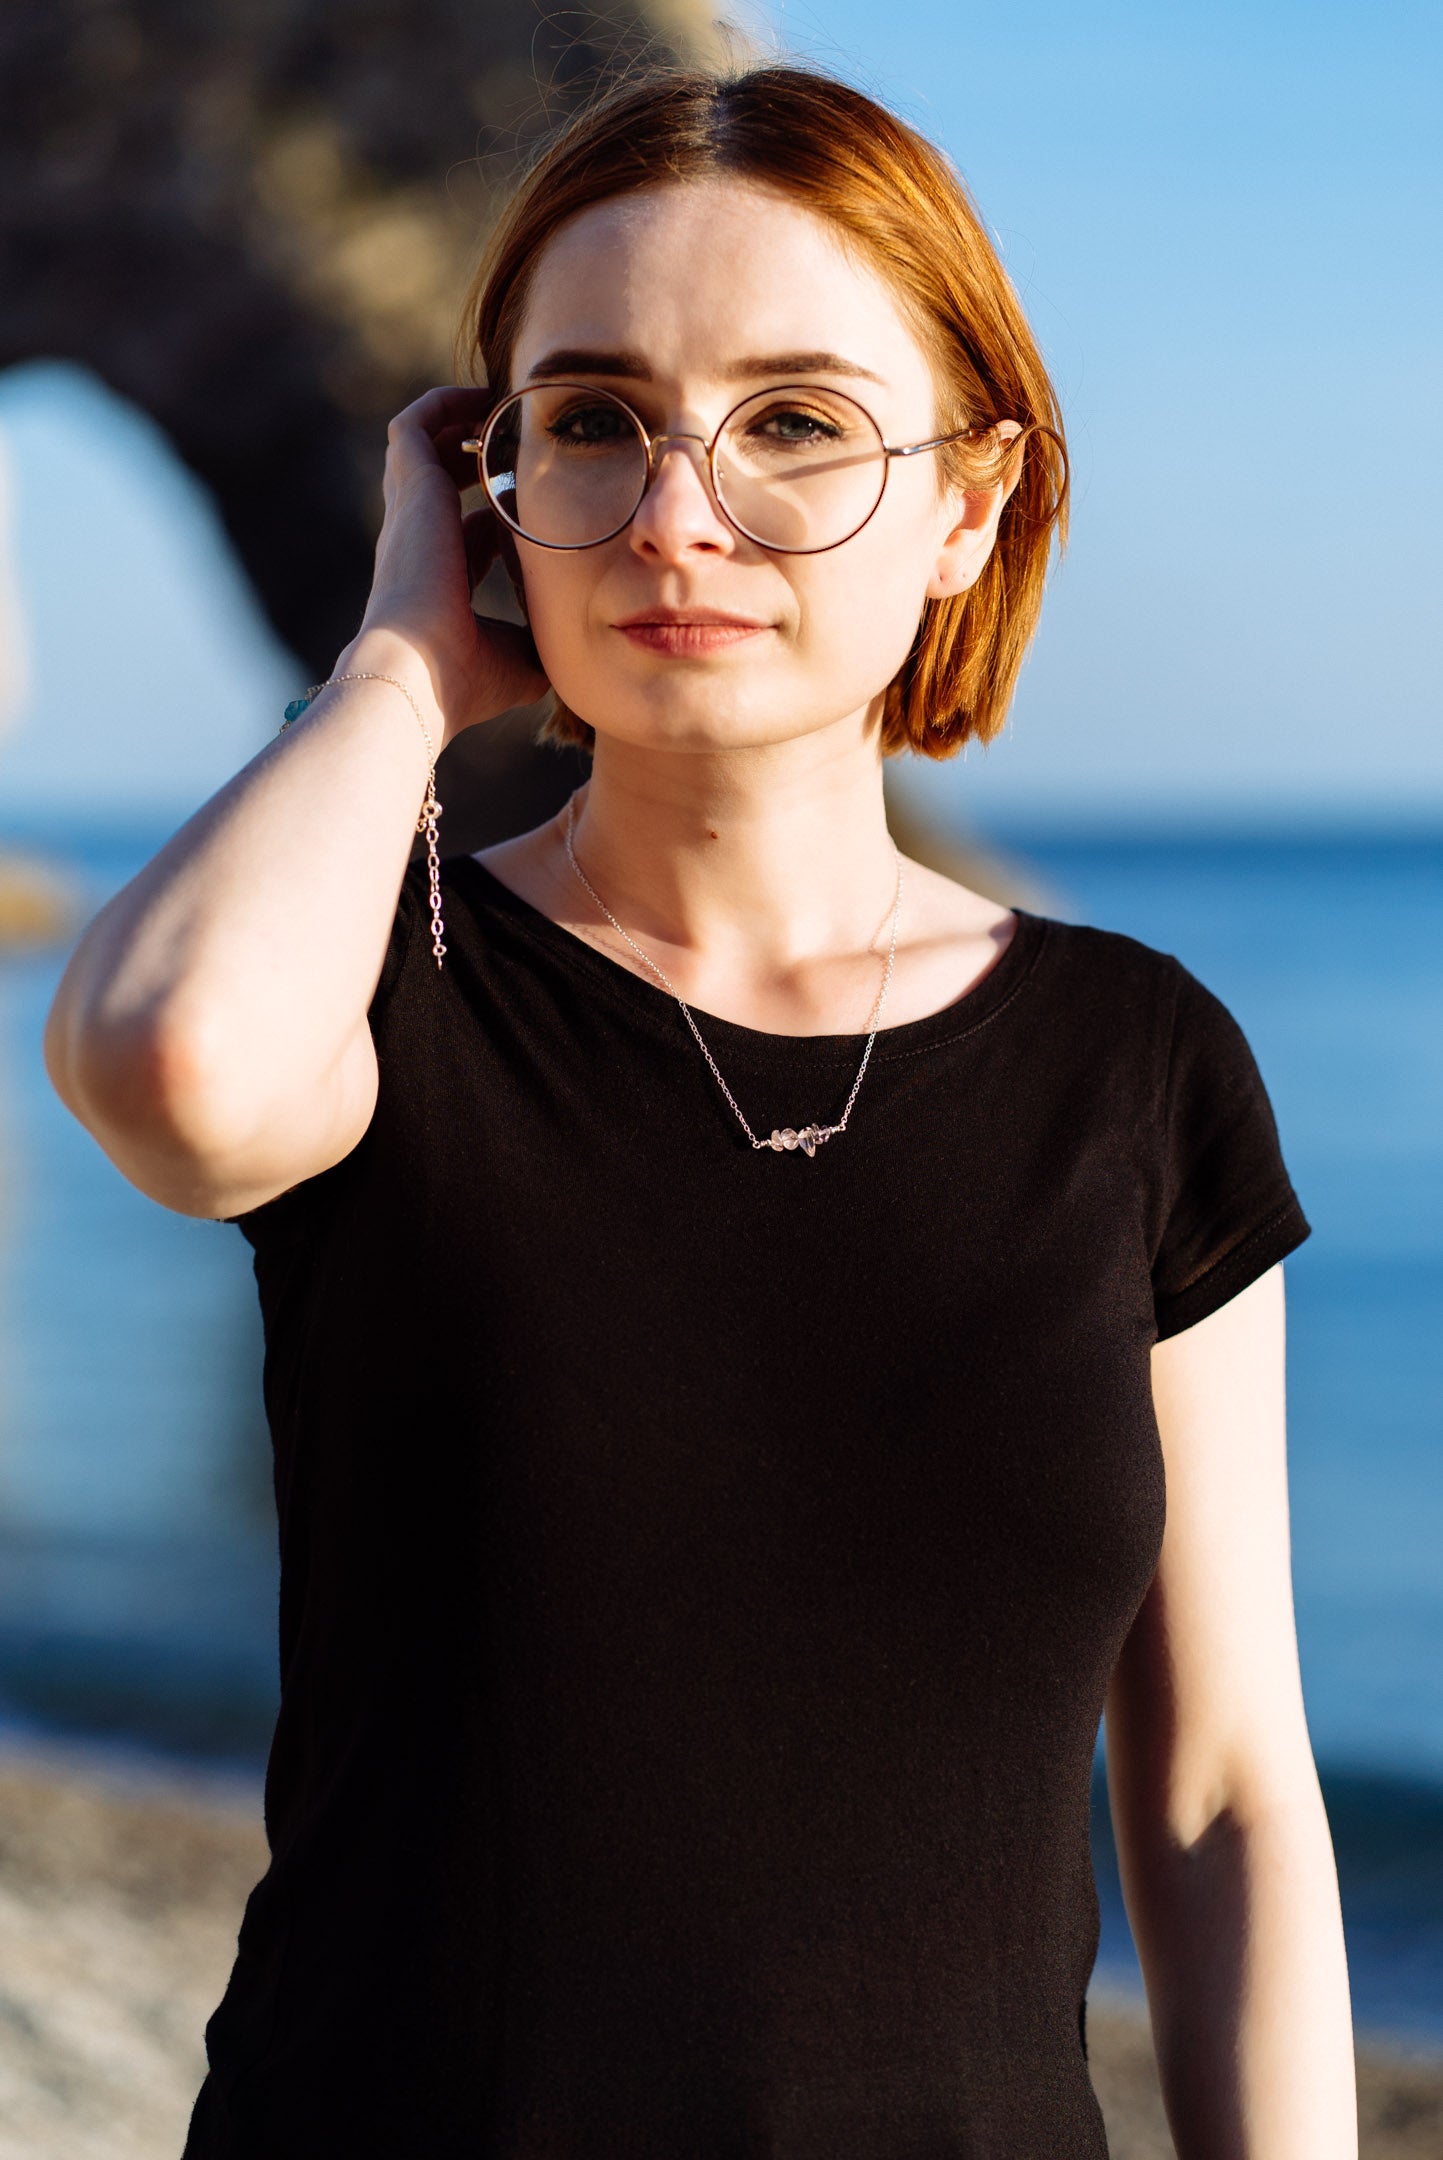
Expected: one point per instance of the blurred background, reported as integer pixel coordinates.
(231, 245)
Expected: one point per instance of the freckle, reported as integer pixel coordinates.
(711, 835)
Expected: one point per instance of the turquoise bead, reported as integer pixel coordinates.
(296, 707)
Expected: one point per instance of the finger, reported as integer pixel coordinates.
(450, 413)
(461, 464)
(446, 402)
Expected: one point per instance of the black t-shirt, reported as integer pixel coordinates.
(702, 1568)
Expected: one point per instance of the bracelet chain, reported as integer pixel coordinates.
(430, 808)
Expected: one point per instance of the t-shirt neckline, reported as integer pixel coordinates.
(981, 1002)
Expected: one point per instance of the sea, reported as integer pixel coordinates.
(137, 1522)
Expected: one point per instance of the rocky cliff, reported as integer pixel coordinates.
(255, 220)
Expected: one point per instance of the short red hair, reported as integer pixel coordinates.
(898, 200)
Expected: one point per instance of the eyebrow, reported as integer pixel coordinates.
(632, 367)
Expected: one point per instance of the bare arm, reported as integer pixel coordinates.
(1226, 1857)
(210, 1027)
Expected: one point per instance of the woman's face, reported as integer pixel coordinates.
(682, 300)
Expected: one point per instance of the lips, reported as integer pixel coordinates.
(679, 615)
(688, 630)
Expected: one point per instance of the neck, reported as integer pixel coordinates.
(757, 860)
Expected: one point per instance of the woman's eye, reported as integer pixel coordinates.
(793, 424)
(591, 424)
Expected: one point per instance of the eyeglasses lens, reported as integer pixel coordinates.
(563, 465)
(796, 469)
(800, 469)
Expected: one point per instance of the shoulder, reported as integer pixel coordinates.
(1091, 977)
(962, 900)
(1153, 1053)
(1109, 969)
(1108, 1003)
(1088, 986)
(1083, 953)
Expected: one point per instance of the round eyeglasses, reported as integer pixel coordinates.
(798, 469)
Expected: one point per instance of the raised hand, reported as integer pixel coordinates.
(429, 557)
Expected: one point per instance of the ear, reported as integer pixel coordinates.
(966, 547)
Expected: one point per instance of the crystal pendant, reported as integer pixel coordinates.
(806, 1139)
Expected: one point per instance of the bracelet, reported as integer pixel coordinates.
(430, 808)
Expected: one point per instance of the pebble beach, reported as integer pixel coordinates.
(121, 1890)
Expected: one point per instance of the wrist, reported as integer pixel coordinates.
(377, 651)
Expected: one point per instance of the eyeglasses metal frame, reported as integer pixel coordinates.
(653, 443)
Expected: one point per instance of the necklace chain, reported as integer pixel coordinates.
(810, 1137)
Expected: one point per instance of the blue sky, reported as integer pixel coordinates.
(1226, 223)
(1227, 227)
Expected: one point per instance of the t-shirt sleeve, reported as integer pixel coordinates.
(1228, 1209)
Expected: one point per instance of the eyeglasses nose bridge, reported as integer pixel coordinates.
(657, 445)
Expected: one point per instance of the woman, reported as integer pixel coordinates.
(702, 1578)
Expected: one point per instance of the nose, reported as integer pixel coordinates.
(679, 515)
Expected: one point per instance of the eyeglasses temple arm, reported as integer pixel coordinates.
(911, 449)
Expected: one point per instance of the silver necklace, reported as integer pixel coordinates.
(810, 1137)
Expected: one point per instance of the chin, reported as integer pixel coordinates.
(688, 723)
